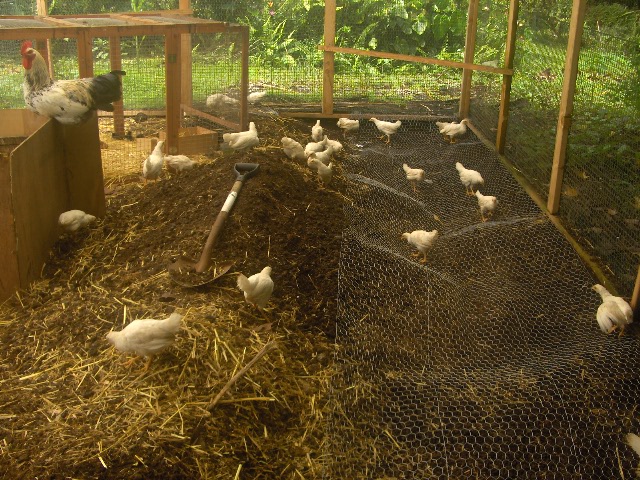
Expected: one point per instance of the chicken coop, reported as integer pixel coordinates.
(485, 358)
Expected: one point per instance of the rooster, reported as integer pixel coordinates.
(69, 101)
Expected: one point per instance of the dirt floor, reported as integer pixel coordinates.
(70, 409)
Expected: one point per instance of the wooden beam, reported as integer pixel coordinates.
(135, 19)
(186, 72)
(416, 59)
(85, 54)
(328, 68)
(172, 64)
(505, 93)
(115, 60)
(469, 51)
(44, 46)
(244, 79)
(212, 118)
(566, 104)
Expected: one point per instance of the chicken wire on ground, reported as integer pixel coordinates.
(488, 361)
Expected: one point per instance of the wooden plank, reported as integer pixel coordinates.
(85, 54)
(61, 22)
(212, 118)
(115, 62)
(505, 93)
(360, 116)
(44, 46)
(83, 165)
(135, 19)
(39, 195)
(566, 104)
(328, 67)
(244, 80)
(469, 51)
(416, 59)
(186, 70)
(172, 65)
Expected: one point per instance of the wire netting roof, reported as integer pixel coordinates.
(488, 361)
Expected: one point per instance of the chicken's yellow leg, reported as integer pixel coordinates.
(424, 258)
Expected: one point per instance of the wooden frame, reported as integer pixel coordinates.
(469, 49)
(505, 93)
(175, 25)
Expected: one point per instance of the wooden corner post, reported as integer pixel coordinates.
(115, 60)
(469, 50)
(328, 61)
(44, 46)
(566, 104)
(244, 79)
(172, 63)
(186, 79)
(505, 93)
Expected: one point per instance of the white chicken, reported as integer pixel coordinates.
(388, 128)
(337, 146)
(178, 163)
(325, 172)
(324, 156)
(451, 130)
(152, 166)
(414, 175)
(219, 101)
(487, 204)
(70, 102)
(348, 125)
(146, 337)
(74, 220)
(469, 178)
(316, 132)
(256, 97)
(293, 149)
(257, 288)
(633, 441)
(241, 140)
(422, 241)
(614, 312)
(312, 147)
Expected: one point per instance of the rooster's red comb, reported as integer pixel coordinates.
(25, 46)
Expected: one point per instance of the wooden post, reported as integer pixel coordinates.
(186, 79)
(172, 74)
(469, 50)
(328, 61)
(566, 104)
(44, 46)
(85, 54)
(244, 80)
(505, 94)
(115, 59)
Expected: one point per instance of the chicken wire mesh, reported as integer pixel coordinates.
(485, 363)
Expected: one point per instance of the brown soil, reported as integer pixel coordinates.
(69, 406)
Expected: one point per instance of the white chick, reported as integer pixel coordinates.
(388, 128)
(312, 147)
(414, 175)
(324, 156)
(325, 172)
(220, 100)
(257, 288)
(422, 240)
(613, 313)
(293, 149)
(316, 132)
(74, 220)
(469, 178)
(256, 97)
(451, 130)
(241, 140)
(487, 204)
(337, 146)
(348, 125)
(634, 442)
(178, 163)
(152, 166)
(146, 337)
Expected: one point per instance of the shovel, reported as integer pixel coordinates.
(189, 273)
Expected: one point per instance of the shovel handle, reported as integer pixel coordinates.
(205, 256)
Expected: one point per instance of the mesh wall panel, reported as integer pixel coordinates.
(485, 363)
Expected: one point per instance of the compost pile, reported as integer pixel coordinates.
(70, 408)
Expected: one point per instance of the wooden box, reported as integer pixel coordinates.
(195, 140)
(45, 169)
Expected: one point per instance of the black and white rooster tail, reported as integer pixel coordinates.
(106, 89)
